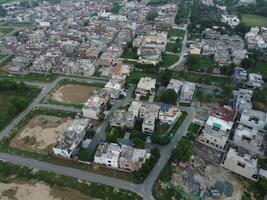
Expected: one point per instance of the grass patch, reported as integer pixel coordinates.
(168, 60)
(45, 78)
(176, 33)
(130, 54)
(253, 20)
(260, 67)
(14, 98)
(9, 171)
(173, 47)
(200, 64)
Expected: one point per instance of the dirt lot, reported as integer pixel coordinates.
(198, 177)
(73, 94)
(41, 133)
(40, 191)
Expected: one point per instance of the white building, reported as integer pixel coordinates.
(187, 92)
(176, 85)
(108, 154)
(216, 132)
(95, 105)
(168, 114)
(72, 137)
(145, 87)
(254, 119)
(254, 81)
(134, 108)
(242, 100)
(231, 20)
(115, 84)
(243, 165)
(250, 140)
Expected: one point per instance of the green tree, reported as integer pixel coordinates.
(165, 77)
(112, 136)
(183, 151)
(138, 142)
(169, 96)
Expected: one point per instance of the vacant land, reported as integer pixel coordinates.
(14, 98)
(39, 190)
(5, 30)
(73, 94)
(253, 20)
(200, 64)
(40, 133)
(168, 60)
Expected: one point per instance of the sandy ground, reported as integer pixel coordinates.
(73, 94)
(41, 133)
(40, 191)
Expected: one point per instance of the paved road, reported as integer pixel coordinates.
(100, 132)
(76, 173)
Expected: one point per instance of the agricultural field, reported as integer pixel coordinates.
(40, 133)
(253, 20)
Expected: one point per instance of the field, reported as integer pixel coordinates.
(14, 98)
(40, 133)
(5, 30)
(32, 191)
(168, 60)
(253, 20)
(73, 94)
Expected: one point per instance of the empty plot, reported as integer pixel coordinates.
(73, 94)
(40, 133)
(40, 191)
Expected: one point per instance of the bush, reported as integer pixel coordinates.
(112, 136)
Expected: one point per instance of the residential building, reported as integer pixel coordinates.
(254, 119)
(108, 154)
(187, 92)
(176, 85)
(95, 105)
(132, 159)
(168, 114)
(239, 76)
(231, 20)
(254, 81)
(149, 114)
(249, 139)
(216, 132)
(135, 107)
(122, 119)
(72, 137)
(115, 84)
(242, 100)
(242, 164)
(148, 124)
(145, 87)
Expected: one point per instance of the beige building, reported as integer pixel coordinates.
(145, 87)
(242, 164)
(132, 159)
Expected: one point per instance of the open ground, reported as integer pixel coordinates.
(40, 133)
(31, 191)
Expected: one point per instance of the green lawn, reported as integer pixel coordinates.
(260, 67)
(173, 47)
(130, 54)
(168, 60)
(176, 33)
(135, 76)
(253, 20)
(5, 30)
(200, 64)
